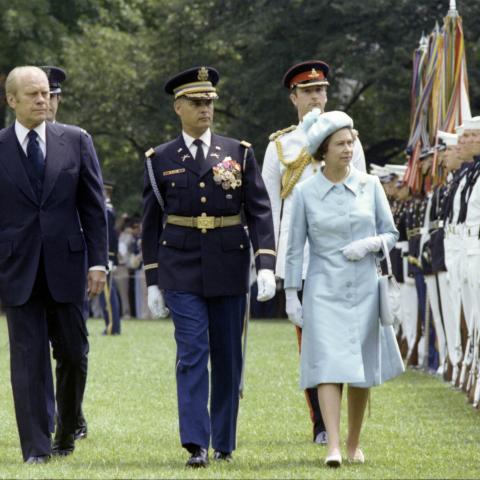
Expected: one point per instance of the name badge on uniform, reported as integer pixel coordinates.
(173, 172)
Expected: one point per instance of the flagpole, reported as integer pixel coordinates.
(452, 11)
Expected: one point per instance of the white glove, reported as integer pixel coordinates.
(156, 303)
(266, 285)
(357, 249)
(293, 307)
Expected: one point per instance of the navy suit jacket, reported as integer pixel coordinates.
(68, 223)
(217, 262)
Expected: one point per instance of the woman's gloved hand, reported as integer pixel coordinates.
(293, 307)
(357, 249)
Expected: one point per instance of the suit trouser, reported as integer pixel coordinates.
(311, 395)
(30, 327)
(207, 327)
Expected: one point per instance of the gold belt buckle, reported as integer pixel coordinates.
(205, 222)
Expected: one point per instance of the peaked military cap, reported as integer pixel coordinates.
(306, 74)
(196, 82)
(56, 76)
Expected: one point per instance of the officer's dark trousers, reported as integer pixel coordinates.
(207, 327)
(30, 327)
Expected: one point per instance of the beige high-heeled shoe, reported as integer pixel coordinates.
(334, 460)
(358, 457)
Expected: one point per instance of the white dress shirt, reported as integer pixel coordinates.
(206, 138)
(22, 135)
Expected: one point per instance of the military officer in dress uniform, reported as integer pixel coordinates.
(56, 76)
(468, 221)
(458, 169)
(201, 192)
(109, 297)
(286, 163)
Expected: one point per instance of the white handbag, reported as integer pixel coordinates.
(385, 283)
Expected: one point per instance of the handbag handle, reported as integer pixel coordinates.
(386, 254)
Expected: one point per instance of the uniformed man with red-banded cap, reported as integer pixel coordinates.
(286, 163)
(201, 191)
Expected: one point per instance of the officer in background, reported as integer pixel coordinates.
(109, 297)
(56, 76)
(201, 191)
(286, 163)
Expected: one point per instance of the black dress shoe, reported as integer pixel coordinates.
(63, 444)
(198, 459)
(37, 459)
(225, 456)
(81, 432)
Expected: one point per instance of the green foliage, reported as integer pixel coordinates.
(419, 427)
(119, 53)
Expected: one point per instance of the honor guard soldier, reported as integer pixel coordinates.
(109, 297)
(201, 192)
(286, 163)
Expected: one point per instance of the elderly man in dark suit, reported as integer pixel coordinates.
(52, 230)
(202, 190)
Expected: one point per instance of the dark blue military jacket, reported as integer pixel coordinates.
(213, 262)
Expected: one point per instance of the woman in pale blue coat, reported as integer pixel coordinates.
(344, 213)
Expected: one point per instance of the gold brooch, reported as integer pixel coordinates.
(202, 74)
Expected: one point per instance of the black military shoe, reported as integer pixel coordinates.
(37, 459)
(225, 456)
(63, 444)
(198, 459)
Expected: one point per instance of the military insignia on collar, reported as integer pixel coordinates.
(214, 155)
(179, 150)
(217, 147)
(184, 157)
(202, 74)
(313, 74)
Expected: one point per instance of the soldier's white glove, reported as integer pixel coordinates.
(266, 285)
(293, 307)
(156, 303)
(357, 249)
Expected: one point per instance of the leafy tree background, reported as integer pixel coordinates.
(118, 54)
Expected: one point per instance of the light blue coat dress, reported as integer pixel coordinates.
(342, 340)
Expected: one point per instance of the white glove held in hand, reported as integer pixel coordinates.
(293, 307)
(357, 249)
(266, 285)
(156, 303)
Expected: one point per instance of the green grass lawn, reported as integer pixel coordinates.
(419, 427)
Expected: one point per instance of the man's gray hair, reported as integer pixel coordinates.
(11, 81)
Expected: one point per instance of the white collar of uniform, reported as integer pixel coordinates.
(206, 138)
(22, 132)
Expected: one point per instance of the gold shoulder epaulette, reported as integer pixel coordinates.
(245, 144)
(149, 152)
(279, 133)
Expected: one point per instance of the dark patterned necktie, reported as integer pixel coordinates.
(35, 155)
(199, 156)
